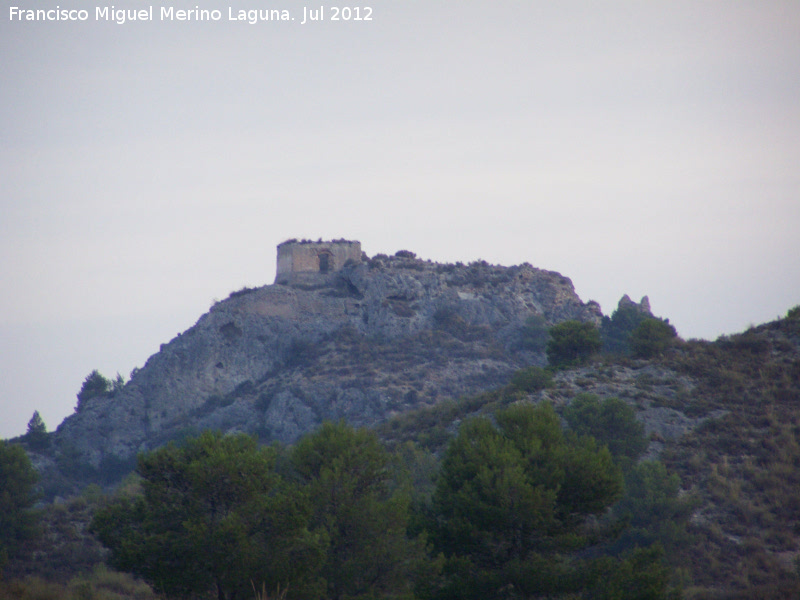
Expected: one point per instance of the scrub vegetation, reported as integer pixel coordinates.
(569, 481)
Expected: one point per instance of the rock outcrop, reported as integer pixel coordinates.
(625, 303)
(361, 344)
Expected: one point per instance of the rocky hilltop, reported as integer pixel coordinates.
(362, 343)
(388, 341)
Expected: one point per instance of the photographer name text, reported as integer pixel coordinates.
(121, 16)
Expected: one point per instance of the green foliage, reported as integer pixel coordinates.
(36, 425)
(639, 575)
(363, 511)
(793, 313)
(651, 338)
(36, 435)
(217, 515)
(62, 547)
(214, 515)
(512, 498)
(117, 384)
(572, 343)
(95, 385)
(611, 422)
(616, 330)
(520, 509)
(653, 508)
(532, 379)
(17, 480)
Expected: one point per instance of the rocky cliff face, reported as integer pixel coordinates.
(361, 344)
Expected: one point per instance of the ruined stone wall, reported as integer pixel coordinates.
(314, 257)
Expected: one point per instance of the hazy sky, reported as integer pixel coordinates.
(149, 168)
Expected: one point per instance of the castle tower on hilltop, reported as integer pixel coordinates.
(310, 257)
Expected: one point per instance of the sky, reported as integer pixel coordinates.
(149, 168)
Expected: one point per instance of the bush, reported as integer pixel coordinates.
(611, 422)
(652, 337)
(532, 379)
(94, 385)
(616, 330)
(572, 343)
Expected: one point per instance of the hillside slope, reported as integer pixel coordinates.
(725, 417)
(414, 348)
(360, 344)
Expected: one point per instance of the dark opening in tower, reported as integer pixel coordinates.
(325, 262)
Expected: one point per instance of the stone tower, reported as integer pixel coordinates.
(314, 258)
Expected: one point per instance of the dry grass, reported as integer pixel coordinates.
(101, 584)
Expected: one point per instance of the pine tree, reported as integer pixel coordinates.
(512, 500)
(17, 496)
(94, 385)
(37, 431)
(363, 512)
(36, 425)
(214, 516)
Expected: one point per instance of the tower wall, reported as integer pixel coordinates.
(314, 257)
